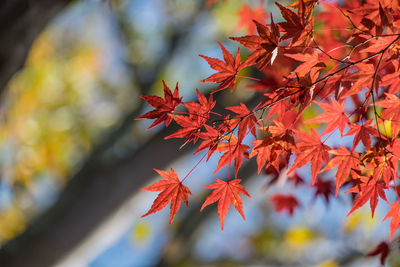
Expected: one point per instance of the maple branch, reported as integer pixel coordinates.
(382, 52)
(352, 23)
(371, 91)
(326, 53)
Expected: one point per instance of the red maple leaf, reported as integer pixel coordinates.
(311, 63)
(362, 133)
(382, 249)
(226, 71)
(296, 179)
(297, 26)
(247, 120)
(164, 107)
(262, 150)
(265, 45)
(394, 212)
(379, 43)
(391, 112)
(361, 79)
(370, 190)
(172, 190)
(334, 116)
(285, 202)
(211, 138)
(323, 188)
(346, 161)
(234, 151)
(246, 16)
(226, 193)
(310, 148)
(198, 114)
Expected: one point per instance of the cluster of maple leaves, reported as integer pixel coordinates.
(343, 58)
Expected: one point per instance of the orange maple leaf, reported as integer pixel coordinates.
(172, 190)
(265, 44)
(262, 149)
(227, 70)
(247, 120)
(334, 116)
(235, 150)
(310, 149)
(311, 63)
(246, 16)
(391, 112)
(362, 133)
(163, 106)
(226, 193)
(297, 26)
(369, 189)
(346, 161)
(394, 212)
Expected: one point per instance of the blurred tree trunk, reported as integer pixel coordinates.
(97, 189)
(94, 193)
(21, 21)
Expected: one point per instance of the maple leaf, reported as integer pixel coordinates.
(296, 179)
(310, 149)
(392, 80)
(265, 45)
(164, 107)
(211, 138)
(226, 193)
(361, 79)
(346, 161)
(246, 16)
(382, 249)
(334, 116)
(311, 63)
(234, 151)
(247, 120)
(226, 71)
(370, 190)
(278, 144)
(375, 15)
(172, 190)
(362, 133)
(262, 151)
(379, 43)
(391, 112)
(297, 26)
(394, 212)
(323, 188)
(285, 202)
(198, 116)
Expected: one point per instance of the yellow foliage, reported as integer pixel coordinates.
(385, 128)
(298, 237)
(141, 232)
(328, 263)
(357, 219)
(12, 222)
(225, 15)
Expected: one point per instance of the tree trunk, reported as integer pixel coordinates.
(21, 21)
(88, 199)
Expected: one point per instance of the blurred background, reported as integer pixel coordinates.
(73, 157)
